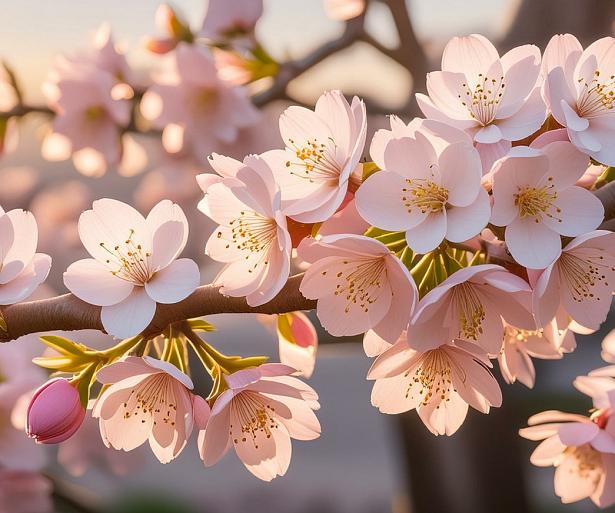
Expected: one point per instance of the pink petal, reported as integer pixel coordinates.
(547, 452)
(175, 282)
(489, 134)
(129, 317)
(94, 283)
(527, 120)
(463, 223)
(427, 235)
(581, 212)
(577, 433)
(521, 67)
(461, 172)
(471, 55)
(24, 285)
(532, 244)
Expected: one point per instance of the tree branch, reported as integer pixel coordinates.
(68, 313)
(606, 195)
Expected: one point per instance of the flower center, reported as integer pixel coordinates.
(469, 311)
(314, 161)
(424, 194)
(589, 462)
(360, 282)
(518, 336)
(129, 261)
(255, 417)
(432, 379)
(153, 397)
(534, 201)
(601, 417)
(251, 232)
(203, 100)
(596, 97)
(94, 113)
(583, 274)
(483, 100)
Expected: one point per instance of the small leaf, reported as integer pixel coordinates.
(63, 345)
(67, 363)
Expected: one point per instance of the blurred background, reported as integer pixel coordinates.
(364, 462)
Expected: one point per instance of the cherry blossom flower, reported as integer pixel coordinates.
(579, 89)
(581, 449)
(323, 149)
(439, 383)
(258, 415)
(599, 384)
(495, 99)
(22, 270)
(194, 106)
(134, 264)
(580, 282)
(25, 492)
(344, 10)
(472, 304)
(520, 346)
(359, 285)
(147, 400)
(432, 196)
(534, 196)
(55, 412)
(229, 19)
(252, 239)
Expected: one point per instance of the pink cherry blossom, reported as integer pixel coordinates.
(535, 197)
(520, 346)
(258, 415)
(599, 384)
(580, 282)
(579, 87)
(298, 342)
(359, 285)
(344, 10)
(495, 99)
(22, 270)
(194, 106)
(147, 400)
(581, 449)
(55, 412)
(252, 239)
(439, 383)
(228, 19)
(134, 264)
(323, 149)
(25, 492)
(472, 304)
(431, 195)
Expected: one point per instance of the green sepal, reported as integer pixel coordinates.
(63, 345)
(369, 168)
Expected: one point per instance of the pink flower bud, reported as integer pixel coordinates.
(55, 412)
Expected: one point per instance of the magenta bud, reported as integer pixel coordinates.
(55, 412)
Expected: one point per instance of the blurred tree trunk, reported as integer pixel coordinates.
(477, 470)
(537, 20)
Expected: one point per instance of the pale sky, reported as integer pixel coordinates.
(34, 31)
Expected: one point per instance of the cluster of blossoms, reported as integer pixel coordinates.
(470, 236)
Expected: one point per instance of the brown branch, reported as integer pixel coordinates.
(67, 313)
(606, 195)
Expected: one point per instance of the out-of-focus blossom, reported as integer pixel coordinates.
(581, 449)
(21, 269)
(194, 106)
(57, 218)
(298, 342)
(579, 89)
(580, 282)
(147, 400)
(240, 68)
(85, 450)
(9, 135)
(258, 415)
(344, 10)
(430, 196)
(18, 185)
(323, 149)
(252, 239)
(359, 285)
(9, 99)
(55, 412)
(439, 383)
(608, 347)
(88, 120)
(495, 99)
(535, 197)
(520, 346)
(174, 28)
(599, 384)
(226, 20)
(24, 492)
(134, 264)
(472, 304)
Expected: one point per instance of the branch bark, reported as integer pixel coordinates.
(68, 313)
